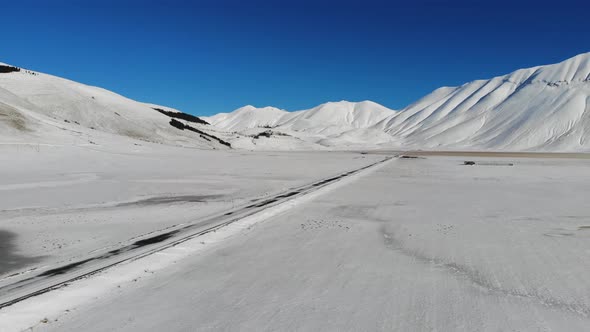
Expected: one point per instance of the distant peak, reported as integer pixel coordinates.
(345, 105)
(342, 102)
(250, 108)
(346, 102)
(246, 108)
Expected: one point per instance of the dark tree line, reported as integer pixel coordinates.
(182, 116)
(177, 124)
(8, 69)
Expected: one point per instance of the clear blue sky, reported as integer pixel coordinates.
(205, 57)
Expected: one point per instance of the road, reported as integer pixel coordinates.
(14, 290)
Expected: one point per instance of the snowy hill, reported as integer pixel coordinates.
(333, 116)
(248, 117)
(337, 117)
(41, 108)
(335, 125)
(540, 108)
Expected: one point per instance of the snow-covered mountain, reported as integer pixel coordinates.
(337, 117)
(540, 108)
(338, 125)
(248, 117)
(329, 117)
(40, 108)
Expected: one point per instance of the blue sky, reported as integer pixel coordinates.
(205, 57)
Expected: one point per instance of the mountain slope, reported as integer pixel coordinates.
(38, 103)
(337, 117)
(248, 117)
(539, 108)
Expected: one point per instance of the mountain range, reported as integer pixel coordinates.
(542, 108)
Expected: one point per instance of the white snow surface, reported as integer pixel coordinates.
(391, 251)
(60, 203)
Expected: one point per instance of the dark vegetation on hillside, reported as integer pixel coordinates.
(179, 125)
(182, 116)
(268, 134)
(8, 69)
(13, 118)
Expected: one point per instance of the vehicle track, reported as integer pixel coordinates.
(54, 278)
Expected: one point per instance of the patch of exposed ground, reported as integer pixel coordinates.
(10, 260)
(13, 118)
(171, 199)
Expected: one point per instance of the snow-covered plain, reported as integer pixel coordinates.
(58, 203)
(415, 245)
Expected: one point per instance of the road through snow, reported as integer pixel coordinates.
(61, 204)
(24, 292)
(417, 245)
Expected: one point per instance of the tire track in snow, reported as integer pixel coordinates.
(54, 278)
